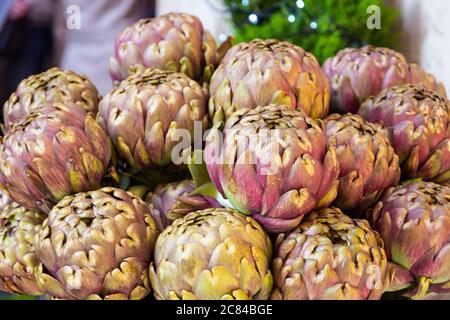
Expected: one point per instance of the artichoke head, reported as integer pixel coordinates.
(329, 256)
(53, 85)
(414, 221)
(418, 121)
(96, 245)
(262, 72)
(18, 227)
(274, 164)
(57, 150)
(212, 254)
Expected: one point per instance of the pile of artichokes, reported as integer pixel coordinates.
(217, 173)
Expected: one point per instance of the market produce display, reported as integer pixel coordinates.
(144, 113)
(212, 254)
(357, 73)
(367, 162)
(174, 41)
(285, 171)
(215, 172)
(414, 222)
(330, 256)
(263, 72)
(418, 121)
(53, 85)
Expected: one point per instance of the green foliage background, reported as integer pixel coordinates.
(341, 23)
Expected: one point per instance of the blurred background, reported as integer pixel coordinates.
(79, 34)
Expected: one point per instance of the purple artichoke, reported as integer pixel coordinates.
(418, 121)
(263, 72)
(96, 245)
(274, 164)
(414, 222)
(173, 200)
(212, 254)
(174, 41)
(330, 257)
(57, 150)
(18, 226)
(146, 112)
(368, 164)
(54, 85)
(357, 73)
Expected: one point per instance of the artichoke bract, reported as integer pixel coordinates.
(357, 73)
(274, 164)
(330, 257)
(174, 41)
(53, 85)
(367, 161)
(18, 226)
(418, 121)
(96, 245)
(212, 254)
(263, 72)
(173, 200)
(57, 150)
(414, 222)
(145, 114)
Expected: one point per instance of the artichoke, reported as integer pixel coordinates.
(274, 164)
(54, 85)
(368, 164)
(414, 222)
(357, 73)
(57, 150)
(96, 245)
(18, 226)
(174, 200)
(212, 254)
(330, 257)
(419, 124)
(174, 41)
(263, 72)
(145, 114)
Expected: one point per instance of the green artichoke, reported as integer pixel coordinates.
(144, 115)
(96, 245)
(58, 150)
(274, 164)
(54, 85)
(263, 72)
(357, 73)
(174, 200)
(367, 161)
(212, 254)
(174, 41)
(414, 222)
(418, 121)
(18, 226)
(330, 257)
